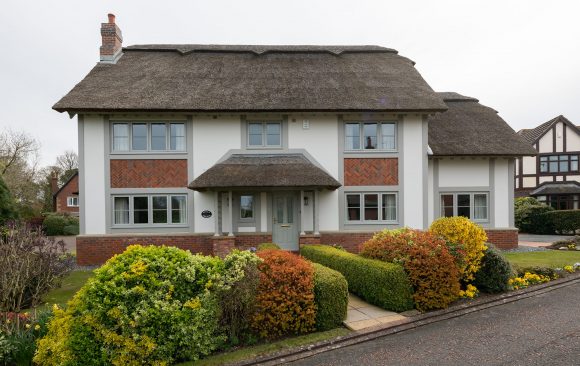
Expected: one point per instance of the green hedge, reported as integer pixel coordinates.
(530, 216)
(267, 246)
(331, 297)
(382, 284)
(55, 224)
(564, 221)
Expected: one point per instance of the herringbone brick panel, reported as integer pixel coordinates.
(371, 172)
(153, 173)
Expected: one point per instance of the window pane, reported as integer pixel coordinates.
(290, 209)
(178, 210)
(553, 157)
(371, 206)
(370, 135)
(480, 207)
(353, 207)
(140, 210)
(447, 205)
(139, 136)
(388, 136)
(120, 137)
(573, 157)
(121, 210)
(543, 158)
(553, 167)
(177, 137)
(544, 167)
(159, 209)
(463, 205)
(273, 134)
(280, 210)
(574, 166)
(255, 134)
(352, 136)
(158, 136)
(564, 166)
(247, 207)
(389, 207)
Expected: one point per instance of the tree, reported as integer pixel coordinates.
(7, 206)
(67, 165)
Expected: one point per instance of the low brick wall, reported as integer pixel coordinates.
(95, 250)
(349, 241)
(503, 238)
(249, 240)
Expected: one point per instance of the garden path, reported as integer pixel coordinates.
(361, 315)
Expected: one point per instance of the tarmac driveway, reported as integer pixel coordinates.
(540, 330)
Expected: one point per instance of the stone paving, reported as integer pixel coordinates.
(361, 315)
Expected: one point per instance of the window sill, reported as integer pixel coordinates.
(370, 151)
(141, 226)
(371, 223)
(151, 152)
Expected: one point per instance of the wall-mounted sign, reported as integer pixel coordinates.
(206, 214)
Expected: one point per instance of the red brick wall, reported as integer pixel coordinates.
(153, 173)
(503, 238)
(95, 250)
(67, 191)
(246, 241)
(371, 172)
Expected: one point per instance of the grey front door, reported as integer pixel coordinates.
(285, 220)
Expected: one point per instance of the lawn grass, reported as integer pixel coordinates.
(70, 285)
(251, 352)
(548, 258)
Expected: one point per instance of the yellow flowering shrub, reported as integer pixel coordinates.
(526, 280)
(471, 237)
(470, 292)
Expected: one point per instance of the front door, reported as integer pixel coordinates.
(285, 220)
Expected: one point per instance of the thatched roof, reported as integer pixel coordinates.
(469, 128)
(197, 78)
(284, 170)
(532, 135)
(556, 188)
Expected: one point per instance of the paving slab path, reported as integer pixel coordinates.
(361, 315)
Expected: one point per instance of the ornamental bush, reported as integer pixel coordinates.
(461, 231)
(285, 300)
(564, 221)
(427, 260)
(495, 271)
(148, 305)
(57, 224)
(331, 297)
(530, 216)
(382, 284)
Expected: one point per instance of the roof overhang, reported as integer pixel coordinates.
(551, 188)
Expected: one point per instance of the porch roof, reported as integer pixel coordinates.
(557, 188)
(256, 170)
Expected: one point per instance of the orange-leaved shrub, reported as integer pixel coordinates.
(285, 299)
(427, 260)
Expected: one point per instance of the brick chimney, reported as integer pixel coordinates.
(54, 182)
(112, 41)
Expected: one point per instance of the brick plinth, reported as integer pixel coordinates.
(95, 250)
(309, 239)
(349, 241)
(503, 238)
(222, 245)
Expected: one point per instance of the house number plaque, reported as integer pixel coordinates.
(206, 214)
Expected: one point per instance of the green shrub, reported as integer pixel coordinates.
(56, 224)
(148, 305)
(285, 301)
(18, 335)
(382, 284)
(266, 246)
(564, 221)
(529, 216)
(431, 268)
(8, 209)
(331, 297)
(495, 272)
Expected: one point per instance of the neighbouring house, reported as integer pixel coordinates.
(210, 148)
(66, 197)
(553, 176)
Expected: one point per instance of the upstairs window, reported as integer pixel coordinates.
(474, 206)
(558, 163)
(264, 134)
(72, 202)
(370, 136)
(144, 137)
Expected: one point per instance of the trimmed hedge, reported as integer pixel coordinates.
(382, 284)
(564, 221)
(530, 216)
(267, 246)
(494, 273)
(330, 296)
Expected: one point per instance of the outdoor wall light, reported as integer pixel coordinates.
(306, 201)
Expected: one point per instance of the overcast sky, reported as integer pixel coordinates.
(521, 58)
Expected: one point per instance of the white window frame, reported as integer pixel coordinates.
(379, 136)
(150, 210)
(149, 149)
(264, 135)
(471, 204)
(381, 219)
(70, 201)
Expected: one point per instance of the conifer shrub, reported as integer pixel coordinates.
(427, 260)
(285, 299)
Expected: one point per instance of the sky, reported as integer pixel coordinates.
(520, 57)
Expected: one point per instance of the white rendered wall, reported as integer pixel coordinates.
(559, 137)
(321, 141)
(530, 182)
(414, 195)
(93, 166)
(502, 193)
(308, 214)
(212, 138)
(543, 180)
(430, 193)
(572, 140)
(463, 172)
(529, 165)
(546, 143)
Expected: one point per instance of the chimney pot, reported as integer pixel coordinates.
(111, 18)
